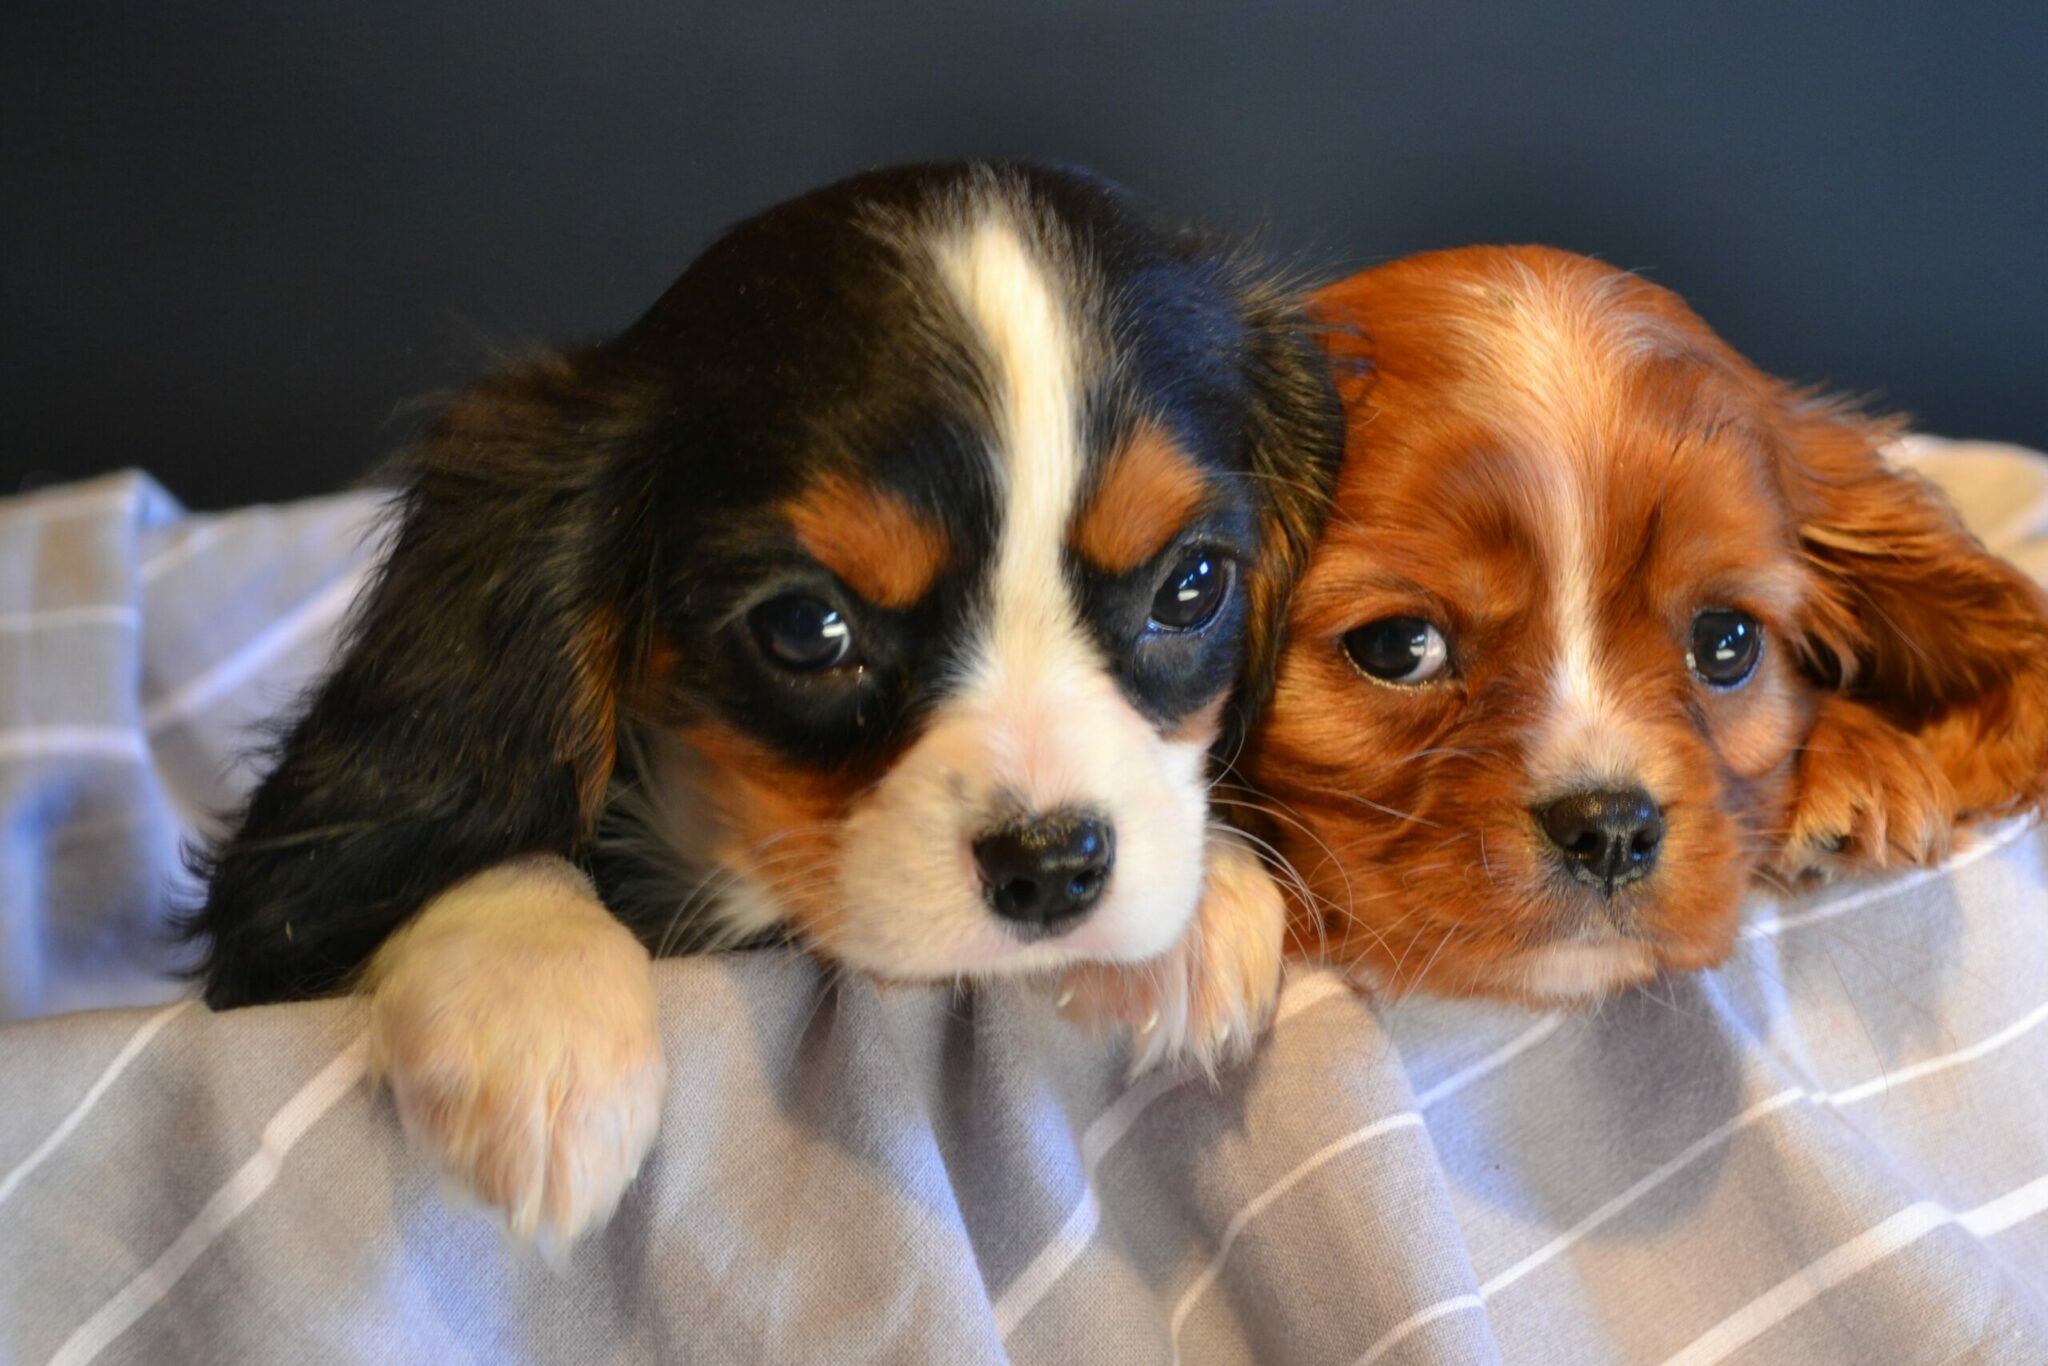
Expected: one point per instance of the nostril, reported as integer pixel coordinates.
(1605, 838)
(1046, 873)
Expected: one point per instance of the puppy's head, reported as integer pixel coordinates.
(1590, 582)
(968, 496)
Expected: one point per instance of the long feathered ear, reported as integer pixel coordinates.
(1911, 617)
(470, 717)
(1297, 442)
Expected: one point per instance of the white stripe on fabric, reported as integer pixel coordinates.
(1420, 1319)
(1848, 1095)
(1877, 1085)
(70, 742)
(1500, 1057)
(1697, 1149)
(2017, 1206)
(1895, 1234)
(1812, 1281)
(137, 1041)
(1307, 1167)
(1104, 1133)
(1990, 841)
(1516, 1046)
(1037, 1279)
(210, 685)
(242, 1190)
(1052, 1261)
(184, 548)
(52, 618)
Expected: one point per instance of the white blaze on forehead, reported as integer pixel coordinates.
(1581, 709)
(1555, 355)
(1003, 286)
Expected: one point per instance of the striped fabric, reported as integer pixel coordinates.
(140, 652)
(1833, 1149)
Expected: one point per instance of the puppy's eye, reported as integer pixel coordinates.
(1726, 645)
(1193, 591)
(803, 634)
(1404, 650)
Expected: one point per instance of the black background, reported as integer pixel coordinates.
(239, 236)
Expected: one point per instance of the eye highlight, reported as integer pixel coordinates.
(1726, 645)
(1405, 651)
(1193, 591)
(802, 634)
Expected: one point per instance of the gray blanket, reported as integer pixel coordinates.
(1835, 1148)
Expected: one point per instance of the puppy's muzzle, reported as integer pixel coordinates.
(1045, 874)
(1605, 839)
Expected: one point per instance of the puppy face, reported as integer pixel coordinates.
(1558, 675)
(971, 507)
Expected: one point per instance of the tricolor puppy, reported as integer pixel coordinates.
(1606, 625)
(886, 587)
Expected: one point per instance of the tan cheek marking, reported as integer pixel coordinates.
(1199, 727)
(1147, 495)
(589, 745)
(1756, 728)
(872, 539)
(780, 824)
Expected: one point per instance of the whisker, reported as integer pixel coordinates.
(1385, 810)
(1329, 854)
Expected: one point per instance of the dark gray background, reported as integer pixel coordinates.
(238, 236)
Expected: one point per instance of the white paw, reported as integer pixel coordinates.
(1205, 1001)
(515, 1021)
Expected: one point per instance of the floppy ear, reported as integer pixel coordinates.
(1910, 617)
(470, 717)
(1296, 444)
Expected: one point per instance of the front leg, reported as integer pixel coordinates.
(1868, 795)
(515, 1021)
(1207, 999)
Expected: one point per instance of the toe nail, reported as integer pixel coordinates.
(1066, 998)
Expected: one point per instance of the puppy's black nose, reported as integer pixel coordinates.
(1046, 873)
(1607, 839)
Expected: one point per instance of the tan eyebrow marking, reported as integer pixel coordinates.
(1146, 495)
(881, 546)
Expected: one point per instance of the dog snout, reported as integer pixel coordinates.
(1046, 873)
(1605, 838)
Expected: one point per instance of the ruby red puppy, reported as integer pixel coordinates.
(1607, 626)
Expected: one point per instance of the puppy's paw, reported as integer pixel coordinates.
(515, 1021)
(1870, 796)
(1206, 1000)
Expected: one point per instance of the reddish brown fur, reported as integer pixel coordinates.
(1904, 682)
(779, 823)
(590, 747)
(1147, 495)
(870, 538)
